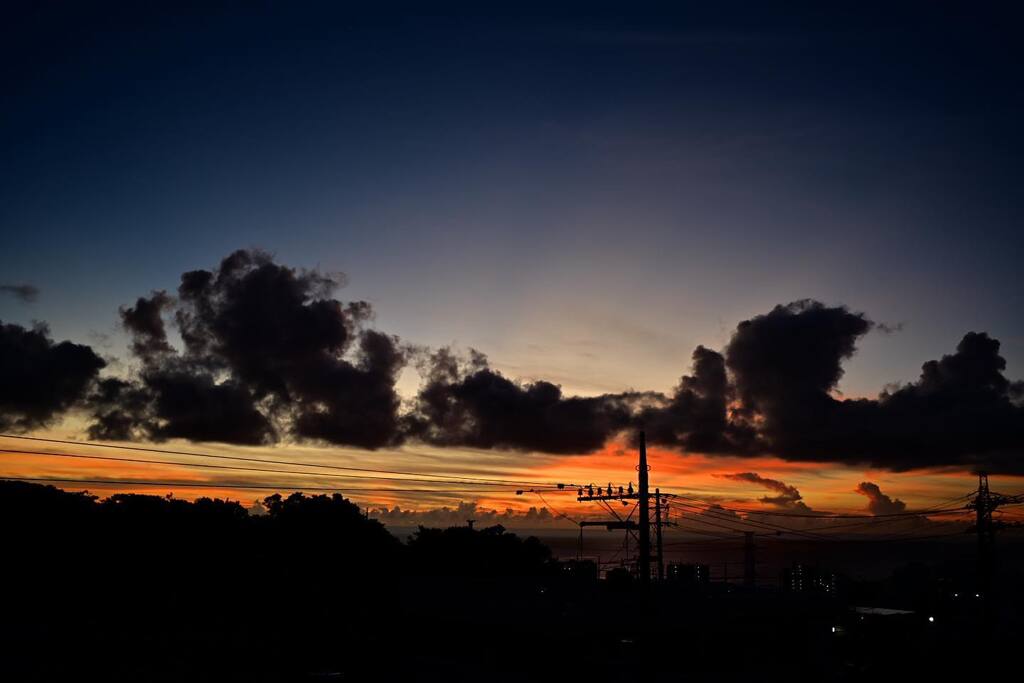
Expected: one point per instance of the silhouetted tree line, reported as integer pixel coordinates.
(121, 581)
(149, 588)
(309, 539)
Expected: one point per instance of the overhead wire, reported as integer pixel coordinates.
(757, 524)
(812, 532)
(243, 486)
(248, 469)
(166, 451)
(784, 513)
(557, 513)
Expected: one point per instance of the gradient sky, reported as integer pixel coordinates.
(583, 194)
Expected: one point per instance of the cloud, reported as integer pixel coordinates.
(463, 402)
(40, 380)
(878, 502)
(23, 292)
(267, 351)
(771, 391)
(444, 517)
(788, 496)
(697, 416)
(784, 367)
(785, 364)
(264, 352)
(144, 321)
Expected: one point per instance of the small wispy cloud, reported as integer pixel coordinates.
(23, 292)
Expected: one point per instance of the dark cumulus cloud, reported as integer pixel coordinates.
(786, 365)
(786, 496)
(145, 322)
(464, 402)
(178, 401)
(878, 502)
(961, 411)
(266, 350)
(40, 379)
(698, 416)
(23, 292)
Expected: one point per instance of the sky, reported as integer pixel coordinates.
(583, 193)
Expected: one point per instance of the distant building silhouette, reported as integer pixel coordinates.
(802, 578)
(689, 575)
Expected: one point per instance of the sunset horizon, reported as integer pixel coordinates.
(823, 482)
(451, 341)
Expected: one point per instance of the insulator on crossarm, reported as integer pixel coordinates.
(630, 489)
(620, 490)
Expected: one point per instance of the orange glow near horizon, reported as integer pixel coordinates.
(824, 486)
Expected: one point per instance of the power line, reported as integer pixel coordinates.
(749, 522)
(702, 532)
(720, 526)
(559, 514)
(808, 534)
(217, 485)
(778, 513)
(811, 533)
(243, 469)
(784, 513)
(194, 454)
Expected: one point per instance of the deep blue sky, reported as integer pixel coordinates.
(582, 194)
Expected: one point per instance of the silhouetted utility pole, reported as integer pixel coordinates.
(983, 507)
(984, 504)
(643, 524)
(645, 514)
(749, 565)
(657, 533)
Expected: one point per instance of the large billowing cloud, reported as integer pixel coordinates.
(267, 351)
(463, 402)
(145, 322)
(785, 366)
(40, 380)
(698, 415)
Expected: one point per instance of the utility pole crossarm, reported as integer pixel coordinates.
(642, 495)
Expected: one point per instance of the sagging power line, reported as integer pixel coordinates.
(217, 456)
(740, 521)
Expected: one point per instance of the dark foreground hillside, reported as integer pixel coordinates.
(141, 588)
